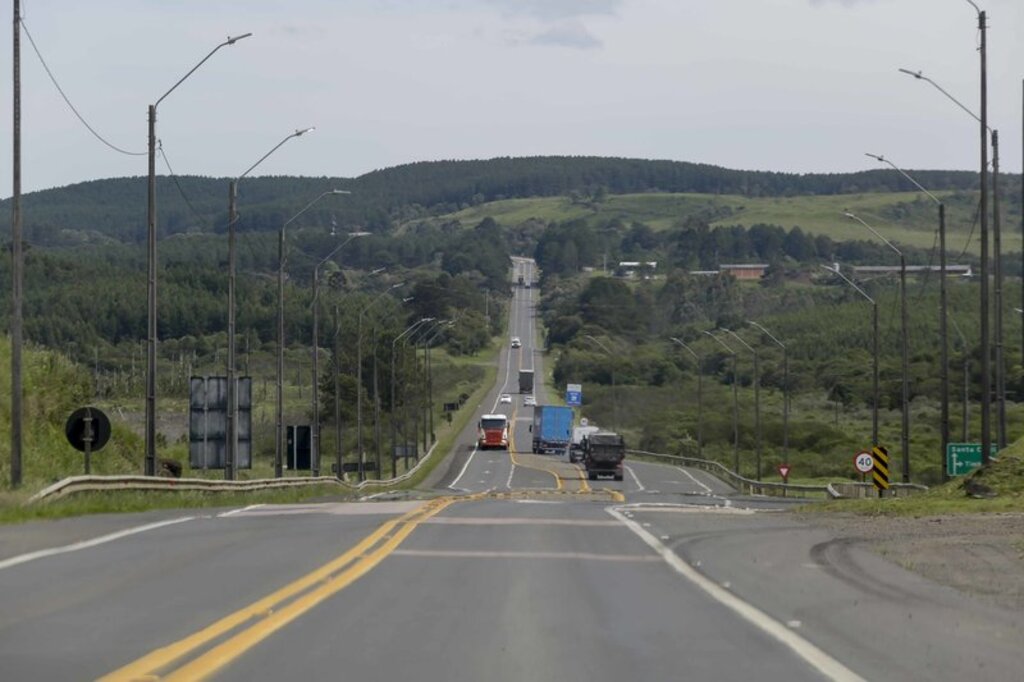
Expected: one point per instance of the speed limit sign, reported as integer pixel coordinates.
(864, 462)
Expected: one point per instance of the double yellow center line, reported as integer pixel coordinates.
(231, 636)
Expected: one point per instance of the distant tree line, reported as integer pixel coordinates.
(115, 209)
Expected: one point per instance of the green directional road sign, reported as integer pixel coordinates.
(963, 458)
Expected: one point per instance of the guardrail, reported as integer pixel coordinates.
(81, 484)
(752, 487)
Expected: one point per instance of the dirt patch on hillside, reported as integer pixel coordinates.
(981, 554)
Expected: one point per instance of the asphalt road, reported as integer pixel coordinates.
(514, 567)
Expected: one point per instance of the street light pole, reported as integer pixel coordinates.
(874, 349)
(314, 432)
(757, 398)
(429, 369)
(231, 452)
(904, 347)
(615, 401)
(700, 397)
(967, 379)
(17, 264)
(359, 382)
(394, 389)
(279, 449)
(735, 405)
(986, 351)
(151, 321)
(785, 388)
(943, 310)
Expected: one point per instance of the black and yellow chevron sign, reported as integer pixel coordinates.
(880, 472)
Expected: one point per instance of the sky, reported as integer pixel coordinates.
(786, 85)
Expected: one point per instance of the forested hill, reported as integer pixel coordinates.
(116, 208)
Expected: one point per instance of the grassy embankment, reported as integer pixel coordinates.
(997, 488)
(54, 386)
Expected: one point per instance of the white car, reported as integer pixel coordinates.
(505, 398)
(529, 401)
(516, 343)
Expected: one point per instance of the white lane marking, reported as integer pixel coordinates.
(639, 486)
(85, 544)
(814, 656)
(647, 507)
(463, 472)
(707, 489)
(511, 473)
(468, 554)
(704, 486)
(239, 510)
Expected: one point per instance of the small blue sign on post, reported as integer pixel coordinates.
(574, 395)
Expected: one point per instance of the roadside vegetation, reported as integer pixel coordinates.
(442, 235)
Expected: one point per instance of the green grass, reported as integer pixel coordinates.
(904, 217)
(115, 502)
(1005, 477)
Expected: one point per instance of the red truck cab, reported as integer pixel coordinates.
(492, 432)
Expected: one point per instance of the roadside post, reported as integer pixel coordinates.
(784, 472)
(87, 429)
(880, 469)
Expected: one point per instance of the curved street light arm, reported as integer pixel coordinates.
(836, 271)
(724, 344)
(297, 133)
(229, 41)
(767, 333)
(921, 77)
(906, 175)
(687, 348)
(740, 339)
(310, 205)
(603, 347)
(853, 216)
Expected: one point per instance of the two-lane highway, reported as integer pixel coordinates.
(514, 567)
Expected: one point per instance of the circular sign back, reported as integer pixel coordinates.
(74, 429)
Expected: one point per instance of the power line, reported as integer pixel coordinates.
(199, 218)
(67, 101)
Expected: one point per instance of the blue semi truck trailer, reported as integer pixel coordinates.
(551, 428)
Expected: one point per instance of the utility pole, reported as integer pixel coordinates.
(757, 398)
(986, 350)
(17, 263)
(997, 266)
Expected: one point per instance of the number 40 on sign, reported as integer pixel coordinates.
(864, 462)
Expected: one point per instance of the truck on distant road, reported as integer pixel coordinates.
(603, 453)
(551, 428)
(576, 444)
(492, 432)
(526, 381)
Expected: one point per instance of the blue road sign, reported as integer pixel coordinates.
(574, 395)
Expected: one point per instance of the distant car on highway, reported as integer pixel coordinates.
(529, 401)
(505, 398)
(516, 343)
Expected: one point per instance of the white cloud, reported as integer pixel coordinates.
(572, 34)
(557, 9)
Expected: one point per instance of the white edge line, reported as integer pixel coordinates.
(511, 473)
(639, 486)
(239, 510)
(85, 544)
(452, 485)
(817, 658)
